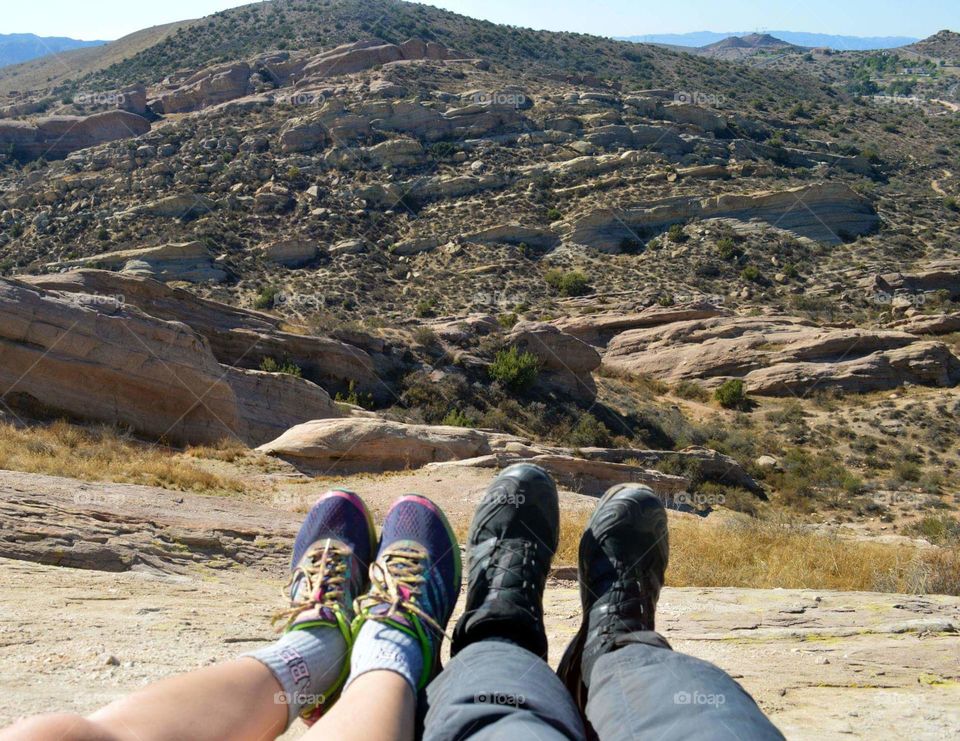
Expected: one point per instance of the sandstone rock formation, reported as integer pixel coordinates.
(58, 136)
(95, 358)
(207, 87)
(780, 355)
(826, 212)
(189, 261)
(291, 253)
(929, 324)
(943, 275)
(597, 329)
(372, 444)
(237, 337)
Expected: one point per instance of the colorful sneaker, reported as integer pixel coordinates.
(328, 570)
(415, 579)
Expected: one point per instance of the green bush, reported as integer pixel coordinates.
(589, 432)
(271, 365)
(675, 234)
(514, 369)
(456, 418)
(728, 249)
(731, 394)
(266, 298)
(751, 273)
(554, 214)
(573, 283)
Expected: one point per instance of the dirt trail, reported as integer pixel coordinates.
(935, 184)
(203, 574)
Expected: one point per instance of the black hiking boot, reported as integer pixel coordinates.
(623, 555)
(512, 539)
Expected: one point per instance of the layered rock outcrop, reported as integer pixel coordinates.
(57, 136)
(826, 212)
(566, 363)
(782, 355)
(237, 337)
(96, 358)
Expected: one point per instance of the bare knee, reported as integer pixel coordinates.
(57, 727)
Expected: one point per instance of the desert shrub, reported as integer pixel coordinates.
(266, 298)
(589, 432)
(751, 273)
(457, 418)
(272, 365)
(675, 234)
(554, 214)
(572, 283)
(731, 394)
(354, 397)
(692, 391)
(426, 308)
(728, 249)
(938, 529)
(514, 369)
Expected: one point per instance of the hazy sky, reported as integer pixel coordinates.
(108, 19)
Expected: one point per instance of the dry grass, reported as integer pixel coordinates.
(765, 555)
(762, 555)
(102, 454)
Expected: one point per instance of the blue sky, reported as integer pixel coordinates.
(114, 18)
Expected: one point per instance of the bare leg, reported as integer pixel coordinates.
(235, 700)
(377, 706)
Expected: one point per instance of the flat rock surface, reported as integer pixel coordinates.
(196, 578)
(822, 664)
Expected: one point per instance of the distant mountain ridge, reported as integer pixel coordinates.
(22, 47)
(798, 38)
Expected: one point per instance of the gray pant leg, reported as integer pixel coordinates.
(495, 689)
(644, 690)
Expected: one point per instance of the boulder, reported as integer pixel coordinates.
(56, 137)
(566, 363)
(291, 253)
(373, 444)
(97, 359)
(395, 153)
(187, 261)
(826, 212)
(302, 135)
(237, 337)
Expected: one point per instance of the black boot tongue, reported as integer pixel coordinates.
(511, 609)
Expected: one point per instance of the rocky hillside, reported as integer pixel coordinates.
(323, 227)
